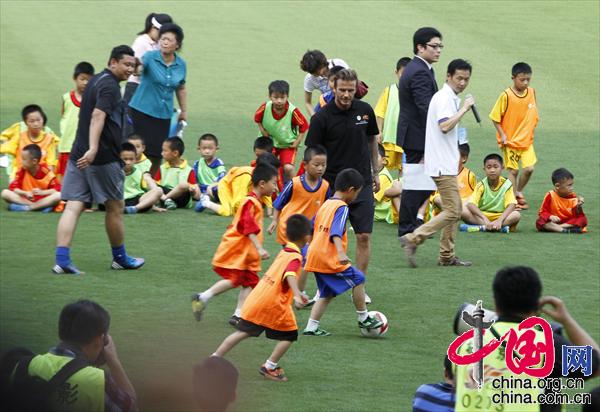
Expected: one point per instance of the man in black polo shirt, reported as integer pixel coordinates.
(346, 127)
(94, 173)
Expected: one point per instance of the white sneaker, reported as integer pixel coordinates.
(367, 299)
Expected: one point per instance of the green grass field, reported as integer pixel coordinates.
(233, 50)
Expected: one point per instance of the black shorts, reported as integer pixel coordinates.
(255, 330)
(134, 202)
(362, 210)
(182, 201)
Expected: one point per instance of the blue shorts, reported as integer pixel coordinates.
(333, 284)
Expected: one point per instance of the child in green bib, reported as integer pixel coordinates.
(141, 193)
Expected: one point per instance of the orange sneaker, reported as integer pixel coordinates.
(59, 207)
(276, 374)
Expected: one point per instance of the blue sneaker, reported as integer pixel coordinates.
(471, 228)
(199, 206)
(130, 210)
(130, 263)
(202, 203)
(47, 209)
(70, 269)
(14, 207)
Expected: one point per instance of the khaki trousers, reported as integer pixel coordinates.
(446, 221)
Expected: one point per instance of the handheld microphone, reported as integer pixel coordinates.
(475, 112)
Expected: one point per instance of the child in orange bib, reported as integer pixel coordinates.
(268, 307)
(562, 209)
(237, 259)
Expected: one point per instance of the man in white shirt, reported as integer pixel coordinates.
(441, 163)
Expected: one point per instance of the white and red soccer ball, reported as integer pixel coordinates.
(377, 332)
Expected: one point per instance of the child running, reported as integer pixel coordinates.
(327, 257)
(237, 259)
(268, 306)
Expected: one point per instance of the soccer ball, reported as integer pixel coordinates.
(377, 332)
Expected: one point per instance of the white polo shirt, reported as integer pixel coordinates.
(441, 149)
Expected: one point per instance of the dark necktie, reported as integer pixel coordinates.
(434, 82)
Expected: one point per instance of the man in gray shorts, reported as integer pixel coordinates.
(94, 173)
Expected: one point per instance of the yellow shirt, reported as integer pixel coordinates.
(16, 137)
(381, 106)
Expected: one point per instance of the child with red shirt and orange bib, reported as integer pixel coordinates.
(268, 307)
(562, 209)
(237, 259)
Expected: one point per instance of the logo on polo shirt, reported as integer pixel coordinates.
(364, 119)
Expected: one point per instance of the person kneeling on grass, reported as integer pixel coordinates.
(141, 191)
(492, 205)
(35, 187)
(268, 307)
(562, 209)
(327, 257)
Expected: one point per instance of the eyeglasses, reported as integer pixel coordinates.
(435, 46)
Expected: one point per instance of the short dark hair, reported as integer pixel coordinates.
(348, 178)
(423, 35)
(82, 321)
(458, 64)
(34, 150)
(403, 62)
(297, 227)
(279, 86)
(464, 149)
(380, 150)
(493, 156)
(160, 17)
(561, 174)
(215, 381)
(521, 67)
(313, 151)
(517, 290)
(312, 61)
(127, 147)
(208, 137)
(175, 29)
(83, 68)
(263, 173)
(334, 70)
(32, 108)
(118, 52)
(345, 75)
(268, 159)
(264, 143)
(135, 136)
(448, 367)
(176, 143)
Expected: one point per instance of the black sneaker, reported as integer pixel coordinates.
(233, 320)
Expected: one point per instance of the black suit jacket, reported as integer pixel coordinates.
(415, 90)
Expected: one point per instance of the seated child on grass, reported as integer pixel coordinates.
(492, 205)
(234, 187)
(327, 257)
(268, 307)
(141, 161)
(281, 121)
(303, 194)
(387, 200)
(209, 169)
(32, 129)
(176, 177)
(562, 209)
(35, 186)
(141, 192)
(238, 257)
(466, 185)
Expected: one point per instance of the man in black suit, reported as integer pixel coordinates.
(417, 86)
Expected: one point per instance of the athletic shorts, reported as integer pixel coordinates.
(243, 278)
(94, 184)
(333, 284)
(362, 211)
(134, 202)
(182, 201)
(255, 330)
(512, 157)
(286, 155)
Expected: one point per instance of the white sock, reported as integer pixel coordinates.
(215, 354)
(312, 325)
(206, 295)
(238, 313)
(420, 216)
(270, 365)
(362, 315)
